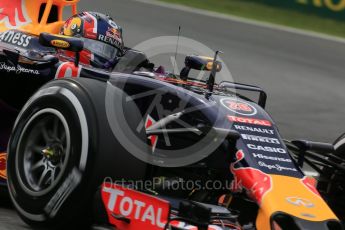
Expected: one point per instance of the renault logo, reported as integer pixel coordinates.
(297, 201)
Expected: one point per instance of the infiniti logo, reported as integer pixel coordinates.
(300, 202)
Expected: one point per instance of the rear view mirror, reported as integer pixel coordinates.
(201, 63)
(61, 42)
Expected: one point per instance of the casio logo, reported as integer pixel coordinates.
(15, 38)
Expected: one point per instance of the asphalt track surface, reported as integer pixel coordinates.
(304, 76)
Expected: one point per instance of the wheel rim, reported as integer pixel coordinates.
(43, 152)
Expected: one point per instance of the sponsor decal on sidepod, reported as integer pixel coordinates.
(68, 70)
(18, 69)
(15, 38)
(142, 210)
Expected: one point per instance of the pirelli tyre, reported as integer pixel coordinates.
(332, 182)
(61, 150)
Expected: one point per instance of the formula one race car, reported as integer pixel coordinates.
(138, 148)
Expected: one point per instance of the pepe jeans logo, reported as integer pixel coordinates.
(18, 69)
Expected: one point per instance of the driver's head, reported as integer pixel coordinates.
(103, 41)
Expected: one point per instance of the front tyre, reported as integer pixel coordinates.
(45, 169)
(60, 151)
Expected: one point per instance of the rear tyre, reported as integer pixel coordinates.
(61, 150)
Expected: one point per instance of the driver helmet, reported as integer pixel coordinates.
(103, 41)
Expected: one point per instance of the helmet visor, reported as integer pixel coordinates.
(101, 49)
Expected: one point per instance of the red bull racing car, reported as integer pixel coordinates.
(138, 148)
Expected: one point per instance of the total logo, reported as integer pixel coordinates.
(252, 121)
(141, 210)
(239, 107)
